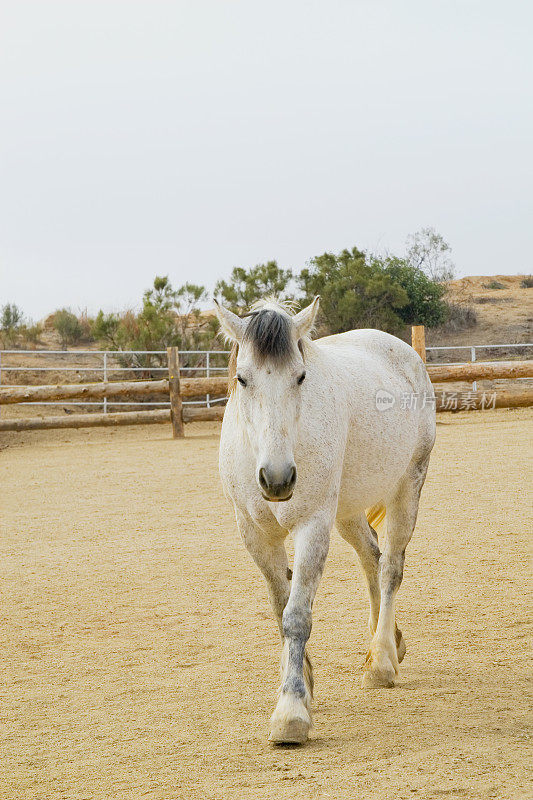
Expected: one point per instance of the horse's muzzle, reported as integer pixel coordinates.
(276, 487)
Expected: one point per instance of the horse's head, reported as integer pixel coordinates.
(268, 386)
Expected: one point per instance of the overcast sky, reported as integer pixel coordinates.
(186, 138)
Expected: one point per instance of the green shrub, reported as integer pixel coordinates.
(168, 318)
(354, 292)
(68, 327)
(494, 285)
(11, 322)
(425, 305)
(361, 291)
(246, 286)
(31, 333)
(527, 282)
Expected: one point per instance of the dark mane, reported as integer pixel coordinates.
(269, 333)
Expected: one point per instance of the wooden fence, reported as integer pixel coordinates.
(515, 397)
(176, 388)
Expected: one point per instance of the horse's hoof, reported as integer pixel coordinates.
(378, 674)
(377, 679)
(290, 722)
(295, 731)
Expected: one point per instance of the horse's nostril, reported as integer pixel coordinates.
(262, 478)
(292, 478)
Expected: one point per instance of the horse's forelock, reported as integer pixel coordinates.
(269, 333)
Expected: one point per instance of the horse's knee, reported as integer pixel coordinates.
(296, 623)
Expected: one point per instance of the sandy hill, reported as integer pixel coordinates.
(503, 306)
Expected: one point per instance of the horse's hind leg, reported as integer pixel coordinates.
(386, 649)
(364, 540)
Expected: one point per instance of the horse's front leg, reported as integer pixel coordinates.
(268, 551)
(291, 720)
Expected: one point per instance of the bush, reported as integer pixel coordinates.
(484, 300)
(11, 322)
(427, 250)
(68, 327)
(104, 328)
(527, 283)
(361, 291)
(168, 318)
(246, 286)
(494, 285)
(31, 333)
(459, 317)
(425, 305)
(86, 325)
(354, 292)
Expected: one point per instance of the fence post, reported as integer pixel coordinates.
(176, 414)
(105, 381)
(473, 358)
(207, 375)
(418, 340)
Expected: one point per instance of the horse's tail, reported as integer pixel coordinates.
(375, 515)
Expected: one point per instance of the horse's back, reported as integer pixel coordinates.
(379, 349)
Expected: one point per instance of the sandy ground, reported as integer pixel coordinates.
(139, 657)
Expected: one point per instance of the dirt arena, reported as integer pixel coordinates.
(139, 656)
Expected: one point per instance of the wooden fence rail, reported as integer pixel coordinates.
(176, 388)
(104, 420)
(471, 401)
(189, 387)
(480, 370)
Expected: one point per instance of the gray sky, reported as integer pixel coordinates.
(143, 138)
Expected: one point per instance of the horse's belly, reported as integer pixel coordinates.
(375, 460)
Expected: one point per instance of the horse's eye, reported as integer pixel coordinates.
(301, 379)
(241, 380)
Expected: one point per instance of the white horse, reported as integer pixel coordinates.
(316, 433)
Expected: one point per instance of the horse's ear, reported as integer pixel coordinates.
(305, 319)
(232, 326)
